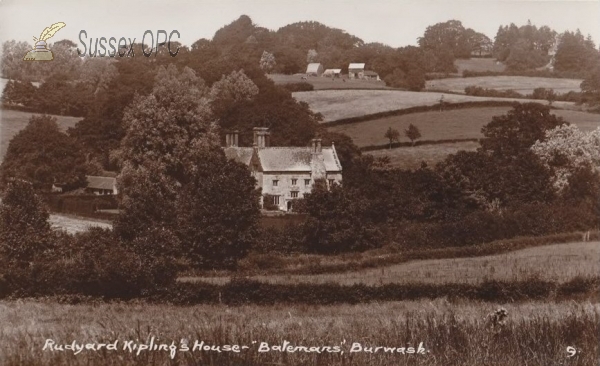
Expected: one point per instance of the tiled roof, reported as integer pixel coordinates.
(356, 66)
(95, 182)
(240, 154)
(295, 159)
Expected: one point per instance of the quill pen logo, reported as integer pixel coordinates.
(40, 52)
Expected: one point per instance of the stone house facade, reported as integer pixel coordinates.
(285, 174)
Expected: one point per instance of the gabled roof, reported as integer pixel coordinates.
(284, 159)
(295, 159)
(332, 71)
(96, 182)
(356, 66)
(313, 67)
(240, 154)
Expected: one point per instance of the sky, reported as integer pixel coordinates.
(393, 22)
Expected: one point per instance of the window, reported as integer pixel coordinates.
(307, 182)
(331, 181)
(275, 182)
(294, 194)
(276, 200)
(294, 181)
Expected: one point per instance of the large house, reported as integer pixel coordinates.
(285, 173)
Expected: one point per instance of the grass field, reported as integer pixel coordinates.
(460, 333)
(520, 84)
(557, 262)
(11, 122)
(340, 104)
(323, 83)
(411, 157)
(73, 225)
(479, 64)
(452, 124)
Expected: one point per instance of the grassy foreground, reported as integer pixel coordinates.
(451, 333)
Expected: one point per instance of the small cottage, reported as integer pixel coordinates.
(101, 185)
(356, 71)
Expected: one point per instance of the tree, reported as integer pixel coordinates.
(392, 135)
(24, 229)
(311, 56)
(519, 129)
(566, 150)
(591, 87)
(232, 89)
(176, 177)
(43, 155)
(413, 133)
(337, 220)
(267, 62)
(19, 93)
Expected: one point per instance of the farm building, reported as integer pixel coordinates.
(314, 69)
(285, 173)
(333, 73)
(101, 185)
(356, 71)
(371, 75)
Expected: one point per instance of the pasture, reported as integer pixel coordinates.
(74, 225)
(339, 104)
(556, 262)
(452, 124)
(520, 84)
(411, 157)
(479, 65)
(11, 122)
(458, 333)
(323, 83)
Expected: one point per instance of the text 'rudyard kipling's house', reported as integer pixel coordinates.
(285, 173)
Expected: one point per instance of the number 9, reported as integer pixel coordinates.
(571, 351)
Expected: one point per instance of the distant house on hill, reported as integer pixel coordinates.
(332, 73)
(371, 75)
(101, 185)
(356, 71)
(285, 173)
(314, 69)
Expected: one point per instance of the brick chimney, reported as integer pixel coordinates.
(232, 139)
(316, 146)
(261, 137)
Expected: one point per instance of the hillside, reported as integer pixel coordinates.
(339, 104)
(520, 84)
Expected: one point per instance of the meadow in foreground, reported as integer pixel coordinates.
(458, 333)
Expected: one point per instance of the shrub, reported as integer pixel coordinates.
(298, 87)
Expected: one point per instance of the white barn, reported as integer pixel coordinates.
(314, 69)
(356, 71)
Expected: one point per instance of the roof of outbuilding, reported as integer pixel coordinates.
(313, 67)
(371, 73)
(332, 71)
(356, 66)
(96, 182)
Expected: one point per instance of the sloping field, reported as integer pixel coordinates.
(11, 122)
(479, 64)
(74, 225)
(452, 124)
(340, 104)
(520, 84)
(323, 83)
(558, 262)
(411, 157)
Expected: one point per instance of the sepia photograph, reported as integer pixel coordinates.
(300, 182)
